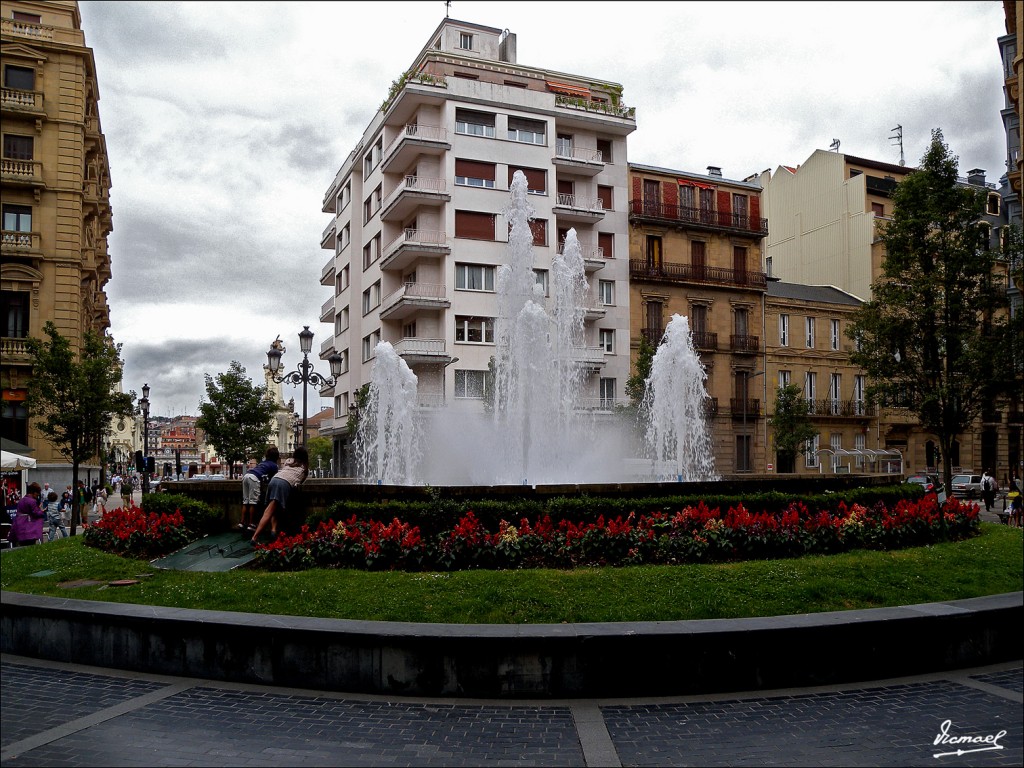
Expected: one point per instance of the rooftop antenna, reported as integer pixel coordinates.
(834, 146)
(898, 138)
(447, 7)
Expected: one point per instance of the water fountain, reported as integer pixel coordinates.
(535, 430)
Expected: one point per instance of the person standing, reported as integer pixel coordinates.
(27, 527)
(251, 482)
(54, 516)
(290, 476)
(988, 490)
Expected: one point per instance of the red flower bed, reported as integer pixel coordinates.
(693, 534)
(130, 531)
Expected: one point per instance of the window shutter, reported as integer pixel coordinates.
(474, 225)
(536, 179)
(474, 169)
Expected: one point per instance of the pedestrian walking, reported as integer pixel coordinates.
(27, 527)
(989, 486)
(54, 516)
(251, 486)
(290, 476)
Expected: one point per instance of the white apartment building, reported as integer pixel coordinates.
(418, 225)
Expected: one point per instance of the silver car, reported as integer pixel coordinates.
(966, 486)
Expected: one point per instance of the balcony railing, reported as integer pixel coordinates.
(411, 291)
(21, 170)
(415, 347)
(710, 407)
(415, 131)
(577, 202)
(27, 29)
(14, 98)
(590, 252)
(431, 237)
(705, 340)
(576, 102)
(653, 335)
(20, 241)
(695, 273)
(739, 342)
(566, 150)
(11, 347)
(752, 411)
(839, 408)
(650, 209)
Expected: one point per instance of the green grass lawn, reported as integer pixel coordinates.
(991, 563)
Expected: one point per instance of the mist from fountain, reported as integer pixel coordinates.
(533, 429)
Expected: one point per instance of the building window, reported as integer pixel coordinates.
(835, 384)
(835, 442)
(539, 227)
(536, 179)
(741, 320)
(606, 292)
(465, 41)
(541, 276)
(699, 318)
(810, 388)
(653, 252)
(474, 330)
(739, 209)
(341, 322)
(471, 385)
(707, 204)
(563, 145)
(858, 395)
(811, 454)
(18, 147)
(526, 131)
(409, 330)
(370, 345)
(473, 173)
(768, 266)
(31, 18)
(607, 340)
(371, 251)
(784, 330)
(20, 78)
(344, 197)
(606, 390)
(14, 309)
(784, 379)
(473, 123)
(993, 204)
(474, 277)
(604, 147)
(809, 335)
(878, 209)
(17, 218)
(606, 242)
(604, 194)
(859, 443)
(474, 226)
(371, 297)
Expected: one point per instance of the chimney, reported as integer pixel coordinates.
(714, 170)
(507, 47)
(976, 177)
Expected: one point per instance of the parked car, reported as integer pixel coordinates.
(931, 483)
(966, 486)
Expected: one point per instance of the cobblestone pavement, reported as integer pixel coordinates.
(62, 714)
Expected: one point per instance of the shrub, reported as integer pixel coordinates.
(131, 532)
(199, 516)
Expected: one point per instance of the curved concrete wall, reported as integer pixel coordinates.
(480, 660)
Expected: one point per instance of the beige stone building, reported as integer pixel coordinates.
(695, 250)
(55, 185)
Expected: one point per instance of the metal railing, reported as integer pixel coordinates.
(577, 202)
(836, 407)
(418, 236)
(416, 131)
(752, 411)
(696, 273)
(705, 339)
(590, 252)
(428, 291)
(565, 150)
(652, 209)
(739, 342)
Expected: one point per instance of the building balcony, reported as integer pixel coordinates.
(25, 173)
(413, 141)
(327, 238)
(412, 298)
(416, 90)
(591, 358)
(742, 343)
(327, 347)
(412, 193)
(846, 409)
(705, 340)
(642, 269)
(414, 244)
(327, 273)
(26, 29)
(327, 311)
(587, 210)
(593, 256)
(749, 408)
(20, 243)
(419, 351)
(590, 110)
(653, 335)
(16, 102)
(14, 351)
(576, 160)
(697, 218)
(594, 311)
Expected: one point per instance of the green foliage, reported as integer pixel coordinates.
(791, 426)
(934, 329)
(72, 397)
(236, 417)
(321, 451)
(636, 385)
(198, 516)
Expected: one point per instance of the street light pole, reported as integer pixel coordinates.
(747, 376)
(144, 404)
(304, 375)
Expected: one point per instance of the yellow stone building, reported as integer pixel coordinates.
(55, 185)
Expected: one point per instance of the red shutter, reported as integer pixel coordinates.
(474, 225)
(670, 194)
(606, 240)
(474, 169)
(536, 178)
(724, 208)
(539, 227)
(755, 213)
(604, 194)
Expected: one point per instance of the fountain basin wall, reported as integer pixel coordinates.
(320, 494)
(536, 661)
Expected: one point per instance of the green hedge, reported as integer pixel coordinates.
(199, 516)
(439, 514)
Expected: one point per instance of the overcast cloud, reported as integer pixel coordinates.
(226, 122)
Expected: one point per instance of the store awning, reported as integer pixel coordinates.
(568, 90)
(692, 183)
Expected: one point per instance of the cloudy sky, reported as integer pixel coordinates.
(226, 122)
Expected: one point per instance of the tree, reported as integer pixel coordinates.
(321, 451)
(933, 331)
(237, 416)
(636, 385)
(791, 426)
(73, 401)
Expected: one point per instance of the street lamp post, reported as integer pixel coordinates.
(144, 404)
(747, 376)
(304, 375)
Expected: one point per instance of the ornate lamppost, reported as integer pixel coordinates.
(144, 405)
(304, 375)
